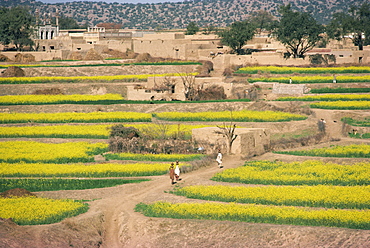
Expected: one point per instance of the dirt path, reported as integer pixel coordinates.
(126, 228)
(122, 226)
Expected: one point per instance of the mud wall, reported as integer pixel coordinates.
(249, 142)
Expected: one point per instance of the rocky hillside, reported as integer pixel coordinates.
(168, 15)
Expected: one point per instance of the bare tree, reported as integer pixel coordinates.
(167, 84)
(188, 81)
(228, 130)
(159, 130)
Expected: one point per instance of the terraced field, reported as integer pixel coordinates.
(154, 213)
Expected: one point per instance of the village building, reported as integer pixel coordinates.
(55, 44)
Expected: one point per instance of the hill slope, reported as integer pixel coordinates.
(168, 15)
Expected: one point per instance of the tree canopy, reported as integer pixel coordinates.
(262, 20)
(298, 31)
(237, 34)
(192, 28)
(355, 24)
(208, 29)
(16, 27)
(68, 23)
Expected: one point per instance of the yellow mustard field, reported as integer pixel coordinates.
(97, 131)
(72, 117)
(32, 210)
(349, 151)
(328, 97)
(259, 213)
(57, 131)
(310, 172)
(42, 99)
(30, 80)
(239, 116)
(342, 105)
(153, 157)
(289, 70)
(313, 79)
(357, 197)
(83, 170)
(31, 151)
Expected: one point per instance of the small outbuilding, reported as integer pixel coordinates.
(248, 143)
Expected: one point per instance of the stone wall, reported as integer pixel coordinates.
(289, 89)
(249, 142)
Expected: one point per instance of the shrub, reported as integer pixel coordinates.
(213, 92)
(124, 132)
(51, 91)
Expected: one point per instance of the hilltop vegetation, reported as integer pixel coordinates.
(166, 15)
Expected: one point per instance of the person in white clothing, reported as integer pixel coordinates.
(177, 171)
(219, 159)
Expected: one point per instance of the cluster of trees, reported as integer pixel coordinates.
(298, 31)
(18, 26)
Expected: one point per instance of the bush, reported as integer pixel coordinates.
(144, 57)
(123, 139)
(51, 91)
(213, 92)
(124, 132)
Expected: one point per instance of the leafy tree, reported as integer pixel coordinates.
(16, 27)
(68, 23)
(208, 29)
(192, 28)
(262, 20)
(237, 34)
(298, 31)
(356, 22)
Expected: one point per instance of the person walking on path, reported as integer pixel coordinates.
(177, 171)
(172, 173)
(219, 159)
